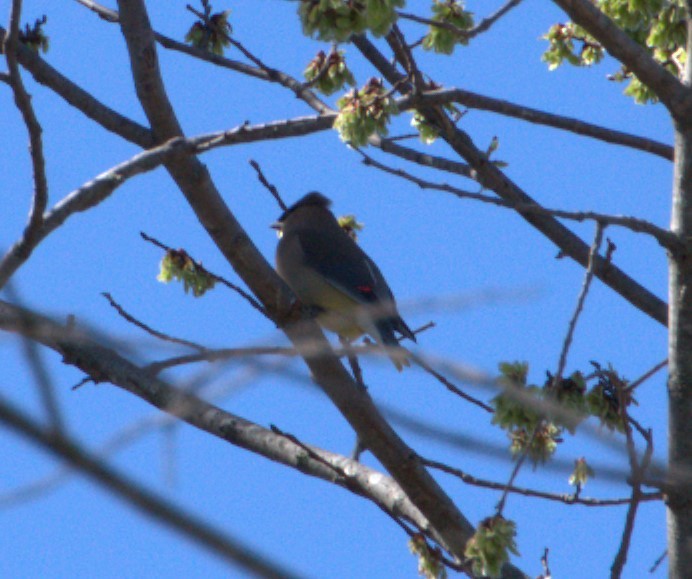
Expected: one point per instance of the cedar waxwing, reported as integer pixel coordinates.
(332, 275)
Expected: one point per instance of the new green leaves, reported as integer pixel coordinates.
(338, 20)
(329, 74)
(490, 546)
(180, 266)
(363, 113)
(211, 32)
(453, 22)
(657, 25)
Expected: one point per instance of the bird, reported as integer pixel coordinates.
(334, 278)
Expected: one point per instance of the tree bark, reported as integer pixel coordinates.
(680, 362)
(680, 350)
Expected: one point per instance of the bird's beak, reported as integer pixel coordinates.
(278, 226)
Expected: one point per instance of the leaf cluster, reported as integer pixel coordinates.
(443, 39)
(34, 37)
(178, 265)
(211, 33)
(489, 548)
(338, 20)
(363, 113)
(657, 25)
(329, 73)
(536, 417)
(429, 560)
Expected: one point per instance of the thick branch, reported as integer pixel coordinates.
(104, 364)
(680, 356)
(193, 179)
(102, 186)
(109, 119)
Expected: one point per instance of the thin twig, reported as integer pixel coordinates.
(23, 102)
(515, 471)
(449, 385)
(482, 26)
(217, 355)
(562, 498)
(271, 188)
(253, 302)
(148, 329)
(638, 469)
(664, 237)
(657, 562)
(588, 277)
(644, 377)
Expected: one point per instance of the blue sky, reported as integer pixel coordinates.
(488, 280)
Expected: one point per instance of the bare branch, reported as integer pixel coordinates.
(221, 354)
(536, 116)
(588, 277)
(102, 186)
(104, 13)
(42, 377)
(635, 383)
(638, 472)
(425, 159)
(564, 498)
(271, 188)
(658, 561)
(663, 236)
(74, 95)
(23, 103)
(149, 330)
(104, 364)
(449, 385)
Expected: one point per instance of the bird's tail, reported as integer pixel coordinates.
(385, 329)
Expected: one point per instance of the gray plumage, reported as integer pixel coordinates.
(330, 273)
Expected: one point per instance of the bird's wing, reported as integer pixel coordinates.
(358, 278)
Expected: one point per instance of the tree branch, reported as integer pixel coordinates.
(588, 277)
(102, 186)
(564, 498)
(356, 406)
(74, 95)
(492, 178)
(664, 237)
(105, 365)
(481, 102)
(23, 102)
